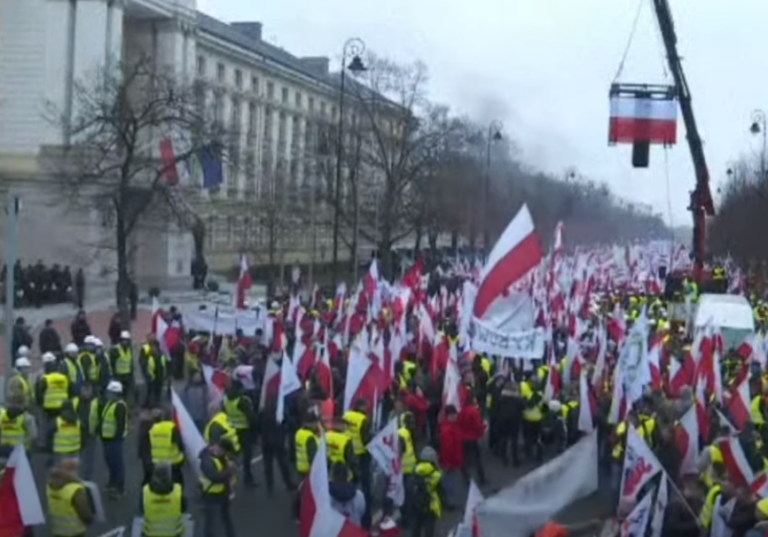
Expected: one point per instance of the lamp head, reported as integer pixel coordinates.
(356, 65)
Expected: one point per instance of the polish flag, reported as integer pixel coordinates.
(516, 253)
(217, 381)
(587, 407)
(640, 465)
(317, 517)
(365, 379)
(637, 521)
(191, 438)
(474, 499)
(289, 383)
(736, 461)
(168, 160)
(19, 501)
(270, 387)
(642, 120)
(687, 437)
(739, 404)
(244, 282)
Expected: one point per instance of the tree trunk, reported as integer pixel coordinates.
(432, 237)
(123, 278)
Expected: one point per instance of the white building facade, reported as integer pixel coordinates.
(276, 106)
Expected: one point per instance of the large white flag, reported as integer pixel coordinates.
(289, 383)
(385, 450)
(534, 499)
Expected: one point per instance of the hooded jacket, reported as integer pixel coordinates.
(347, 500)
(58, 479)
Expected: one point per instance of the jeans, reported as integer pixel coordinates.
(451, 487)
(88, 458)
(115, 461)
(245, 438)
(216, 513)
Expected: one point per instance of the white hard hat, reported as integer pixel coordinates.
(97, 342)
(114, 387)
(125, 334)
(23, 351)
(555, 406)
(89, 340)
(23, 362)
(71, 348)
(275, 305)
(48, 358)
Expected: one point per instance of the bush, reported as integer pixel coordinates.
(212, 286)
(154, 292)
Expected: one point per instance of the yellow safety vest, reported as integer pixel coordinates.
(56, 390)
(707, 510)
(756, 410)
(236, 417)
(163, 515)
(409, 455)
(74, 371)
(124, 362)
(531, 413)
(208, 486)
(93, 373)
(303, 464)
(355, 421)
(109, 421)
(63, 519)
(162, 447)
(152, 362)
(93, 417)
(432, 476)
(68, 437)
(621, 432)
(13, 432)
(26, 389)
(337, 446)
(231, 434)
(568, 408)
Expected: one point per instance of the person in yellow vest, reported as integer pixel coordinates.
(427, 496)
(17, 426)
(533, 415)
(70, 366)
(162, 504)
(157, 374)
(218, 427)
(166, 445)
(122, 365)
(217, 480)
(70, 510)
(51, 390)
(90, 364)
(66, 438)
(89, 412)
(241, 416)
(710, 504)
(359, 432)
(340, 447)
(307, 440)
(113, 428)
(408, 460)
(18, 383)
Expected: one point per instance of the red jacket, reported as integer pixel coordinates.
(471, 422)
(451, 445)
(418, 405)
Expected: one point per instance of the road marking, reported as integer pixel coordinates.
(256, 459)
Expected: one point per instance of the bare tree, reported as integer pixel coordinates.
(113, 159)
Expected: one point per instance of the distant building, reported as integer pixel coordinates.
(277, 107)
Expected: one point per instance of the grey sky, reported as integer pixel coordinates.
(543, 67)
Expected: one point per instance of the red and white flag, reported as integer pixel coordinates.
(217, 381)
(687, 438)
(385, 450)
(191, 438)
(474, 499)
(289, 383)
(244, 282)
(739, 404)
(317, 517)
(637, 521)
(20, 505)
(642, 119)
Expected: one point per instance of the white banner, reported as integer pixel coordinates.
(534, 499)
(528, 344)
(225, 322)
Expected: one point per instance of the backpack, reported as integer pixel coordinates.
(418, 495)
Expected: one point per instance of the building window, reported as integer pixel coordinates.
(237, 118)
(255, 84)
(218, 108)
(251, 122)
(311, 104)
(221, 72)
(270, 90)
(298, 100)
(284, 97)
(238, 79)
(201, 65)
(323, 109)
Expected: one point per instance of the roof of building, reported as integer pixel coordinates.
(228, 33)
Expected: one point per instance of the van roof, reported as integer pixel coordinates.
(728, 311)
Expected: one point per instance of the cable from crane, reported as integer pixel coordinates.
(629, 41)
(669, 199)
(660, 49)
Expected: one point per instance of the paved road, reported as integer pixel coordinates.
(256, 512)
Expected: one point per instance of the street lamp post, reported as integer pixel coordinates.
(494, 135)
(759, 127)
(353, 48)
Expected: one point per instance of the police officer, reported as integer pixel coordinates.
(163, 504)
(217, 480)
(122, 364)
(241, 416)
(113, 428)
(166, 446)
(66, 438)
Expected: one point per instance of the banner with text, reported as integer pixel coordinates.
(528, 344)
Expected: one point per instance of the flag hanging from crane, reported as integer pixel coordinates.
(642, 119)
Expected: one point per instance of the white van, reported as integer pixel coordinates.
(732, 314)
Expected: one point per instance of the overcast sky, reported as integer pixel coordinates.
(543, 68)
